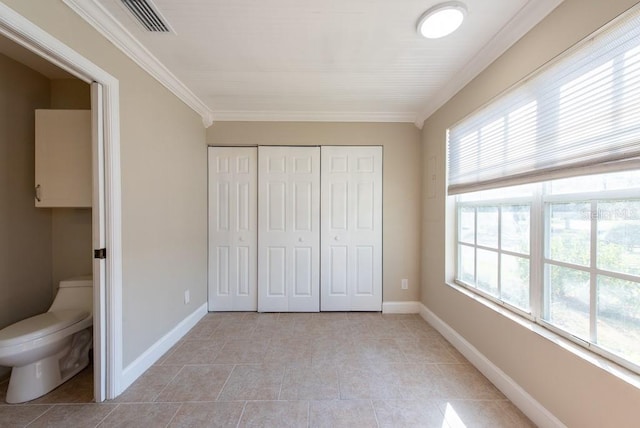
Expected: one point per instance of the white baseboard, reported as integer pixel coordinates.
(518, 396)
(401, 307)
(141, 364)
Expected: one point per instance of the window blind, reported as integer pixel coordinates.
(578, 114)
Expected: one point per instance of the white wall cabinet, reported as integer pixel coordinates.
(63, 158)
(295, 229)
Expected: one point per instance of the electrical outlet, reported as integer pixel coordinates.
(187, 297)
(405, 284)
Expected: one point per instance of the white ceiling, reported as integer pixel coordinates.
(348, 60)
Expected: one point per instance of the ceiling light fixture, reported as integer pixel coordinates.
(442, 19)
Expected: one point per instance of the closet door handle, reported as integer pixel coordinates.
(300, 239)
(337, 238)
(37, 193)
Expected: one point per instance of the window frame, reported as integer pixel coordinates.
(499, 203)
(539, 239)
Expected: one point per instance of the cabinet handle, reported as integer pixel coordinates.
(38, 193)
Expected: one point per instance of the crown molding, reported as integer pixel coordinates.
(526, 18)
(100, 19)
(313, 116)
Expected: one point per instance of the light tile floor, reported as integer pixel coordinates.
(290, 370)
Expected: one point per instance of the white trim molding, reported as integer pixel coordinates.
(100, 19)
(518, 396)
(314, 116)
(109, 312)
(527, 17)
(401, 307)
(141, 364)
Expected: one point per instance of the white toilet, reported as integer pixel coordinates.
(46, 350)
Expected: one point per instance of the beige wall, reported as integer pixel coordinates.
(577, 392)
(163, 161)
(25, 244)
(25, 231)
(71, 246)
(71, 227)
(401, 182)
(70, 94)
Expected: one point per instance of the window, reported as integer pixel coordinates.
(494, 244)
(546, 180)
(592, 260)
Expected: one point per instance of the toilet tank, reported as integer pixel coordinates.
(74, 293)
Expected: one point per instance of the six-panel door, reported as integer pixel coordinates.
(288, 229)
(283, 193)
(232, 228)
(351, 216)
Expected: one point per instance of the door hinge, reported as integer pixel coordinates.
(100, 253)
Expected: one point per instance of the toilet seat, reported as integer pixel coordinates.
(39, 326)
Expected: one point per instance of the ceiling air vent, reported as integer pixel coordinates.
(147, 15)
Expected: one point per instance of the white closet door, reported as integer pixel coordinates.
(351, 229)
(232, 229)
(289, 229)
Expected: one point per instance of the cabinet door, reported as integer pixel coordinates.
(288, 229)
(351, 229)
(63, 158)
(232, 229)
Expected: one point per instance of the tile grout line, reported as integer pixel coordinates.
(284, 373)
(241, 414)
(167, 384)
(40, 415)
(225, 384)
(107, 415)
(375, 414)
(174, 415)
(339, 383)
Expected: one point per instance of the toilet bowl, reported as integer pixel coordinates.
(46, 350)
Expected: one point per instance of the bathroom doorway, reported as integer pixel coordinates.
(106, 214)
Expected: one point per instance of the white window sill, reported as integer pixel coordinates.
(592, 358)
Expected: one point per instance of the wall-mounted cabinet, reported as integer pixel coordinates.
(63, 158)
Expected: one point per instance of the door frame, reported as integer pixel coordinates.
(108, 313)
